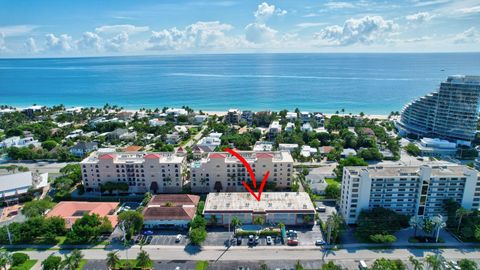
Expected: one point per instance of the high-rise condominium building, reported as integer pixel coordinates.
(410, 190)
(220, 171)
(155, 172)
(450, 113)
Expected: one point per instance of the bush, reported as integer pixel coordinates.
(19, 258)
(379, 221)
(197, 236)
(383, 238)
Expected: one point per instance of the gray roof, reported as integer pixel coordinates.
(85, 145)
(15, 181)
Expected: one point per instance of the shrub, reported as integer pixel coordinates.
(383, 238)
(19, 258)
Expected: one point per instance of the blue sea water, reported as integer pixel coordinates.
(372, 83)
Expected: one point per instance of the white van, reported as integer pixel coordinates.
(362, 265)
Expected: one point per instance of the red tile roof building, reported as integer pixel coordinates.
(71, 211)
(170, 210)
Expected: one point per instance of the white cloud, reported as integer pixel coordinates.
(469, 10)
(422, 3)
(118, 43)
(366, 30)
(16, 30)
(310, 24)
(121, 28)
(62, 43)
(470, 35)
(31, 45)
(200, 35)
(90, 41)
(310, 15)
(259, 33)
(265, 11)
(420, 17)
(338, 5)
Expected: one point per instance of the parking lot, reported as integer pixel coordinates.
(329, 209)
(166, 238)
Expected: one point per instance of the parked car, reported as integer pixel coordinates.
(251, 240)
(321, 209)
(138, 239)
(292, 242)
(269, 240)
(178, 238)
(454, 265)
(148, 232)
(257, 238)
(319, 242)
(239, 241)
(362, 265)
(148, 240)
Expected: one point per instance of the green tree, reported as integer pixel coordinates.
(112, 259)
(332, 191)
(258, 220)
(331, 266)
(466, 264)
(5, 259)
(459, 214)
(416, 264)
(434, 261)
(412, 149)
(132, 221)
(49, 145)
(52, 263)
(37, 207)
(72, 260)
(415, 222)
(236, 222)
(197, 235)
(19, 258)
(386, 264)
(198, 222)
(143, 260)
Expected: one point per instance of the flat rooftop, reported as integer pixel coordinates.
(394, 171)
(133, 157)
(251, 156)
(270, 202)
(71, 211)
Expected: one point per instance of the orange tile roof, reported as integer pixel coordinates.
(68, 210)
(133, 148)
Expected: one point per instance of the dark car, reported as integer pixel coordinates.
(148, 240)
(239, 241)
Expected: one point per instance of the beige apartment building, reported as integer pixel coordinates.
(220, 171)
(154, 172)
(410, 190)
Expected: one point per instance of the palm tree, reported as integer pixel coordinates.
(112, 259)
(417, 265)
(415, 222)
(334, 222)
(72, 261)
(5, 259)
(143, 260)
(236, 222)
(434, 261)
(460, 213)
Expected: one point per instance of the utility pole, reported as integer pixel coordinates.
(329, 231)
(9, 234)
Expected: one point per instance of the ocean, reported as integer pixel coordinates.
(370, 83)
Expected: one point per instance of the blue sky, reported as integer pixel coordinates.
(32, 28)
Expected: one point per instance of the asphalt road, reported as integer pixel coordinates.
(244, 253)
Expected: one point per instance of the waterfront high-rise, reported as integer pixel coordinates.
(410, 190)
(450, 113)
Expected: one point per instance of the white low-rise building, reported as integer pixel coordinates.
(263, 146)
(289, 208)
(19, 142)
(287, 147)
(155, 122)
(13, 186)
(306, 127)
(436, 147)
(308, 151)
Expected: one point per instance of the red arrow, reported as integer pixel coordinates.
(252, 175)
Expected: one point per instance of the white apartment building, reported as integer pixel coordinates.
(220, 171)
(410, 190)
(155, 172)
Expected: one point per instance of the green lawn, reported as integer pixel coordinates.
(25, 266)
(331, 181)
(201, 265)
